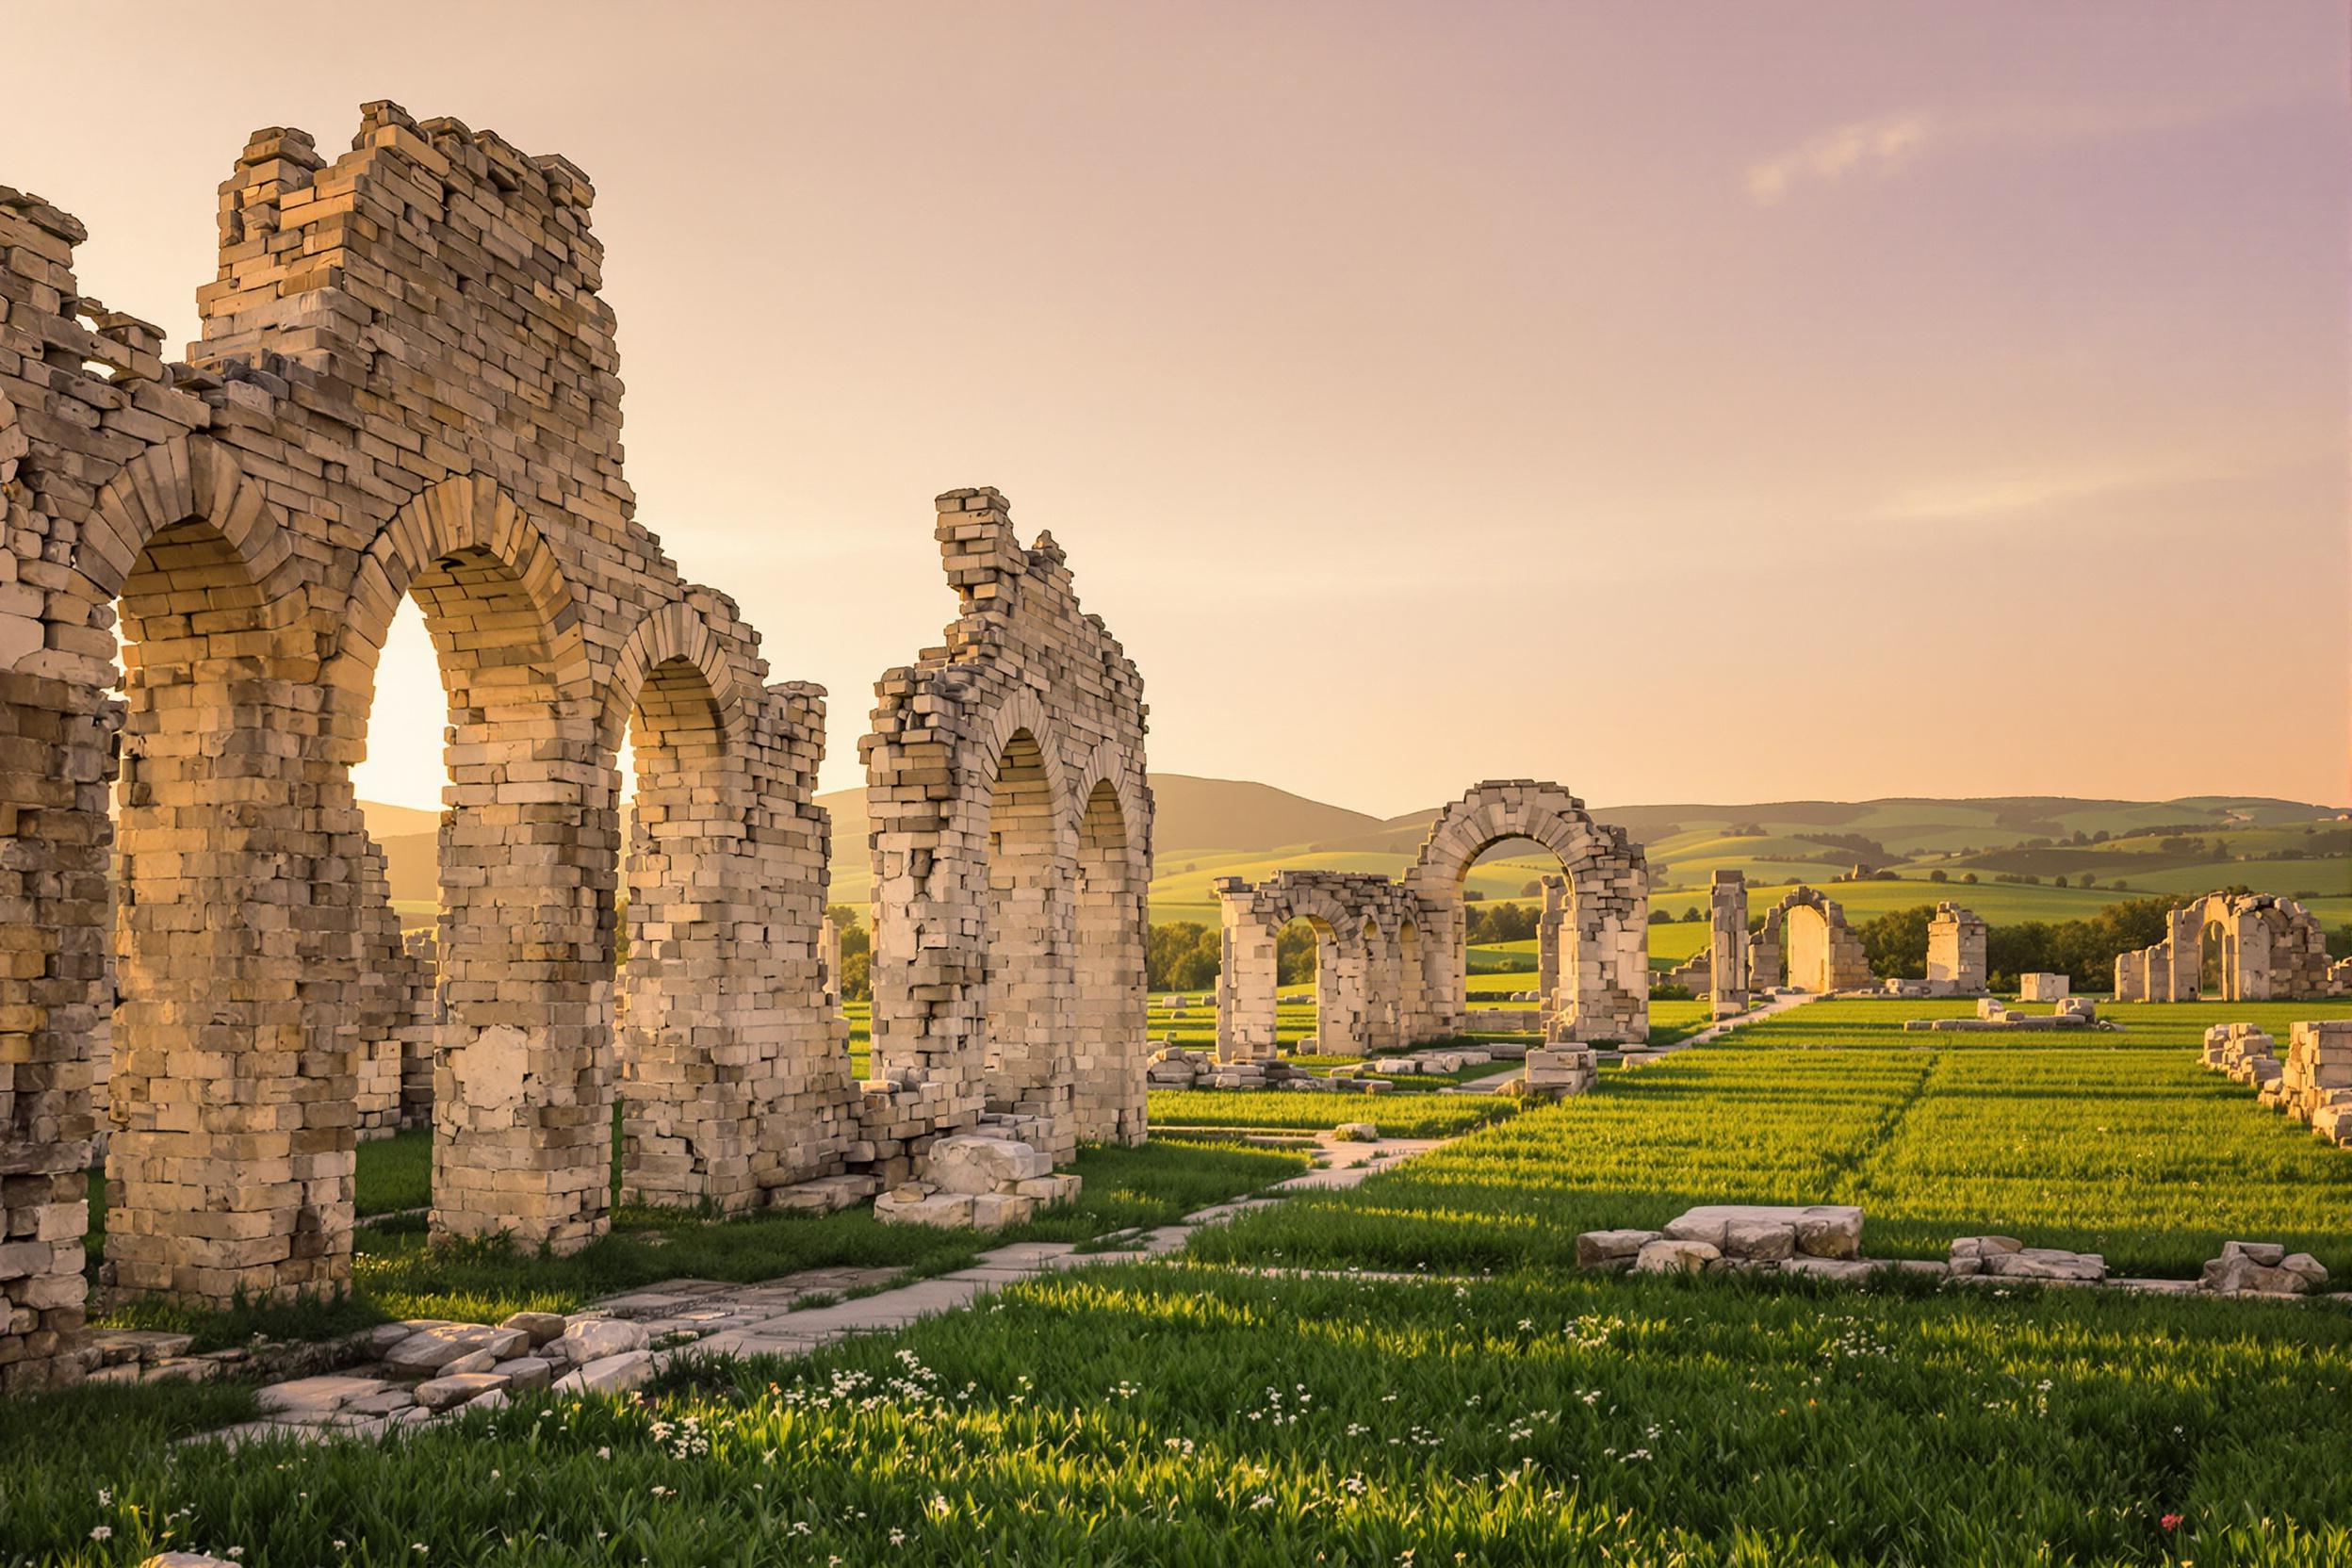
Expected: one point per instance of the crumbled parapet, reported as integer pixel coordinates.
(1771, 1232)
(2005, 1257)
(2264, 1268)
(2044, 987)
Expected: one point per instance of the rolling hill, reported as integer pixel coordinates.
(1212, 827)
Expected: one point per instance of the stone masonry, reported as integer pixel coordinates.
(1011, 840)
(406, 388)
(1727, 943)
(1601, 987)
(1805, 943)
(1390, 954)
(2264, 948)
(1955, 953)
(1370, 994)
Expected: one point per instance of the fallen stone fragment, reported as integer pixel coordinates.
(1669, 1255)
(592, 1339)
(440, 1394)
(1611, 1249)
(316, 1395)
(609, 1375)
(541, 1325)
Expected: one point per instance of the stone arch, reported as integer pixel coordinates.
(222, 1019)
(675, 635)
(349, 451)
(529, 857)
(1822, 954)
(700, 1016)
(975, 1010)
(1108, 1000)
(2264, 947)
(1252, 918)
(1030, 1058)
(1603, 961)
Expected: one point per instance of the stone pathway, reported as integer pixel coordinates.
(1494, 1084)
(620, 1340)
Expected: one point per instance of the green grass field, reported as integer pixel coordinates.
(397, 1273)
(1140, 1414)
(1505, 1408)
(2114, 1143)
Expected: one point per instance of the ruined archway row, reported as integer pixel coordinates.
(2269, 948)
(407, 387)
(1010, 831)
(1370, 977)
(1408, 935)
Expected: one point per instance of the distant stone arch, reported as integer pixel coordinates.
(1337, 905)
(1602, 961)
(1805, 943)
(2263, 947)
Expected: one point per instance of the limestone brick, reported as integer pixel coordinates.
(1010, 833)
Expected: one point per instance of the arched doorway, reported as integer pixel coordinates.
(1027, 1057)
(229, 1167)
(1806, 935)
(1108, 1010)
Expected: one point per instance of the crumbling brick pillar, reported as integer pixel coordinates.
(1727, 943)
(1029, 1062)
(1955, 951)
(1246, 976)
(1108, 1000)
(57, 762)
(696, 1067)
(1554, 927)
(233, 1094)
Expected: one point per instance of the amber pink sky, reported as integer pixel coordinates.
(1699, 402)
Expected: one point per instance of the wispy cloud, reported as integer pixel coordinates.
(2086, 492)
(1867, 147)
(1876, 149)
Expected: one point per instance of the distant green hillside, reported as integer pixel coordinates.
(1212, 827)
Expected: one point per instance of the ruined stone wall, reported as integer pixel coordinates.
(2270, 948)
(407, 387)
(1368, 988)
(1836, 962)
(1011, 832)
(1603, 987)
(1955, 951)
(1390, 971)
